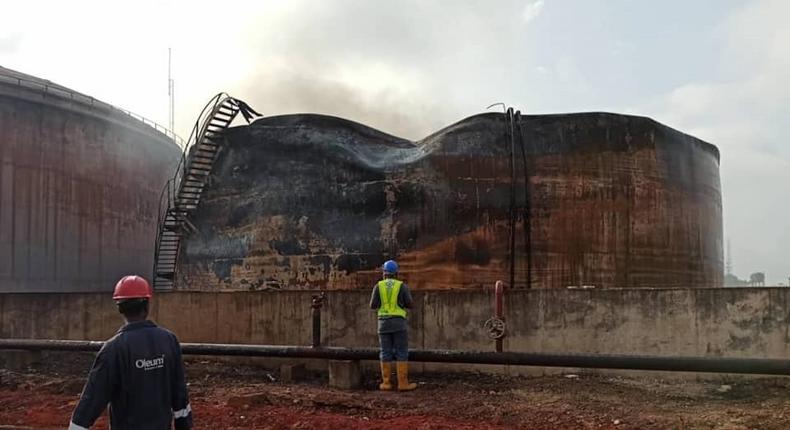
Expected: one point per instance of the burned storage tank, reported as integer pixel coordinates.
(551, 201)
(79, 188)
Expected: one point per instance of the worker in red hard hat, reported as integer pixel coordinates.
(391, 298)
(138, 372)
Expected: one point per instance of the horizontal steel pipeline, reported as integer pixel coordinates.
(761, 366)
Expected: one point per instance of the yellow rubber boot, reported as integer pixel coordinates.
(386, 374)
(403, 377)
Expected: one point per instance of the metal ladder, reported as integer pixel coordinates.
(181, 195)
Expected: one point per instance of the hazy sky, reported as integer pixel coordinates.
(717, 69)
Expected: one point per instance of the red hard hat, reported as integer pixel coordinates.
(132, 287)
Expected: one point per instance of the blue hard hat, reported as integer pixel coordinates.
(390, 267)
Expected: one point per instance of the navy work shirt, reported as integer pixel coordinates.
(140, 373)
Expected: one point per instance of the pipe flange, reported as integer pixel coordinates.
(495, 328)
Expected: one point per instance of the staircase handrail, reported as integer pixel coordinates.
(168, 198)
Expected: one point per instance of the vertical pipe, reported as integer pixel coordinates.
(527, 224)
(315, 307)
(316, 327)
(499, 311)
(509, 114)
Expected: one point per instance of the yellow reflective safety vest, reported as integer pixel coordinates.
(388, 294)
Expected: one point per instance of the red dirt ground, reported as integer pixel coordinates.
(238, 397)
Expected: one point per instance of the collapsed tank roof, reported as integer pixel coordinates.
(371, 140)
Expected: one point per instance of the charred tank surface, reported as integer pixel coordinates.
(311, 201)
(79, 188)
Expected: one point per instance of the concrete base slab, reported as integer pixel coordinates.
(19, 360)
(345, 374)
(292, 372)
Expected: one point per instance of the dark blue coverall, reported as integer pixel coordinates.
(140, 373)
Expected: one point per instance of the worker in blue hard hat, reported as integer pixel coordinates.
(391, 297)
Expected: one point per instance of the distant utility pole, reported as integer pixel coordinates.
(171, 91)
(728, 264)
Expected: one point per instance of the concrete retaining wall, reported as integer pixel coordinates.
(732, 322)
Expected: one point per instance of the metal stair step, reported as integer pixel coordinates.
(196, 170)
(208, 157)
(210, 144)
(208, 152)
(224, 115)
(199, 163)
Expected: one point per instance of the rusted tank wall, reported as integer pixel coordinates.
(79, 191)
(309, 201)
